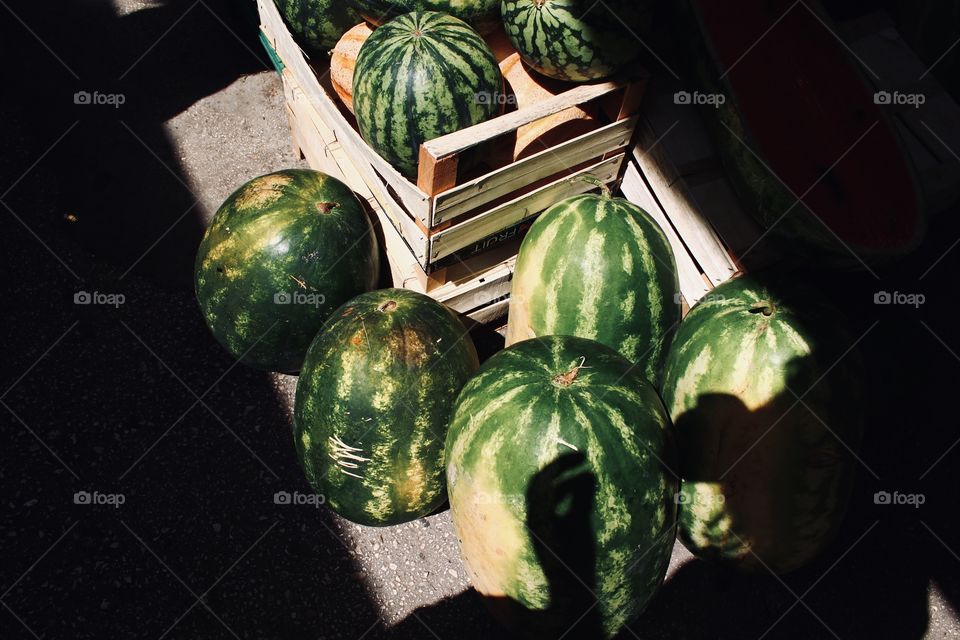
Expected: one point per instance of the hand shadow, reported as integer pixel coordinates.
(560, 501)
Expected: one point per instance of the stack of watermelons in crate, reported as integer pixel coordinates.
(568, 458)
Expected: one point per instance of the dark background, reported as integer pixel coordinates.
(80, 208)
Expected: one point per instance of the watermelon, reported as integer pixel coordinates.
(373, 402)
(601, 268)
(798, 118)
(280, 255)
(766, 478)
(316, 25)
(483, 15)
(576, 40)
(558, 471)
(420, 76)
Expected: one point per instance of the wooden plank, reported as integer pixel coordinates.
(404, 269)
(464, 139)
(692, 285)
(491, 313)
(519, 209)
(501, 182)
(294, 138)
(415, 200)
(482, 291)
(484, 296)
(628, 103)
(436, 174)
(677, 203)
(458, 294)
(716, 201)
(314, 150)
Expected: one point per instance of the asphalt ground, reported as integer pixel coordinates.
(134, 405)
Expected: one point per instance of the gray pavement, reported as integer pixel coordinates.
(138, 401)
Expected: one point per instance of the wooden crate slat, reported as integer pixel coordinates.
(415, 200)
(492, 289)
(450, 240)
(543, 164)
(312, 147)
(451, 292)
(297, 98)
(464, 139)
(692, 284)
(697, 234)
(490, 313)
(715, 198)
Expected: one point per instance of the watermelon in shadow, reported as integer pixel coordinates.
(764, 388)
(560, 501)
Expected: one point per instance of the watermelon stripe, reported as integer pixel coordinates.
(599, 268)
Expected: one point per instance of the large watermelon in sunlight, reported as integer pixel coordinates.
(281, 254)
(559, 463)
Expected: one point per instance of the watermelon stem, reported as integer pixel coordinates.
(766, 307)
(326, 207)
(604, 189)
(389, 305)
(566, 379)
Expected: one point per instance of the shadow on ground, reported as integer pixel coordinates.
(135, 402)
(94, 401)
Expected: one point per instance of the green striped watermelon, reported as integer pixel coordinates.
(558, 462)
(600, 268)
(766, 477)
(373, 401)
(317, 25)
(280, 255)
(420, 76)
(576, 40)
(816, 160)
(483, 15)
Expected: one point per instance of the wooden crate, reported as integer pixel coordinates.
(455, 225)
(675, 174)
